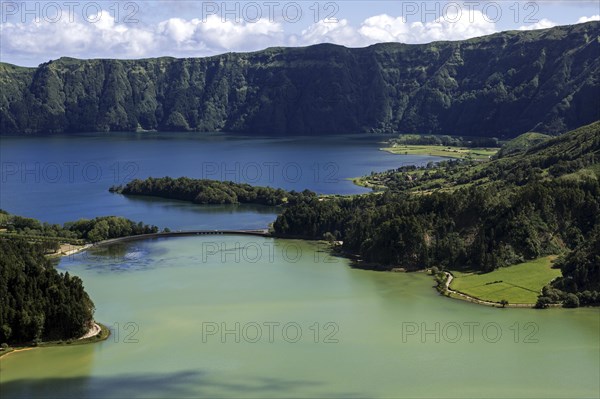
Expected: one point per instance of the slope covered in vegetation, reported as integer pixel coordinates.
(499, 85)
(38, 302)
(545, 200)
(570, 156)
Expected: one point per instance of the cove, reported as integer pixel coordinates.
(165, 297)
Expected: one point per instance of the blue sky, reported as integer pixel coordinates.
(32, 32)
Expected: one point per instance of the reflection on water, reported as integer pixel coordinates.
(219, 209)
(117, 257)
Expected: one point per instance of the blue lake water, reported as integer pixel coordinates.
(63, 178)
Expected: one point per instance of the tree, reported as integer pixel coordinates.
(99, 232)
(328, 236)
(571, 301)
(543, 302)
(38, 303)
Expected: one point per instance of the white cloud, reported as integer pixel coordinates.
(541, 24)
(106, 38)
(76, 38)
(386, 28)
(194, 37)
(177, 29)
(229, 35)
(588, 19)
(339, 32)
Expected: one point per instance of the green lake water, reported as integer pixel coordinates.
(308, 326)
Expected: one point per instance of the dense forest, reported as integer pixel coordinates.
(542, 200)
(500, 85)
(80, 231)
(581, 270)
(38, 302)
(204, 191)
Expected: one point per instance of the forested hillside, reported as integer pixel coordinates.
(528, 158)
(38, 302)
(495, 86)
(581, 268)
(539, 201)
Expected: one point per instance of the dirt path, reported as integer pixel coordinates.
(73, 249)
(93, 331)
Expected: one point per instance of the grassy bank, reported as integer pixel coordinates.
(520, 283)
(442, 151)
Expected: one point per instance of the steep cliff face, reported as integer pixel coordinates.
(499, 85)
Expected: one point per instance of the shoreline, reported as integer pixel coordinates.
(354, 263)
(390, 150)
(183, 233)
(94, 330)
(481, 154)
(453, 294)
(448, 292)
(180, 233)
(97, 333)
(76, 249)
(9, 351)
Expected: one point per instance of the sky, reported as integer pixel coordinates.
(32, 32)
